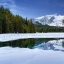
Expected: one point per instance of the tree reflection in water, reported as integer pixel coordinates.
(44, 44)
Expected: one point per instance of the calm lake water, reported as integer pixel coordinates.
(32, 51)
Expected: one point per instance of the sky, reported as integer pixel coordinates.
(34, 8)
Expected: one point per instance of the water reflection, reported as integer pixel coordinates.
(45, 44)
(32, 51)
(56, 45)
(19, 43)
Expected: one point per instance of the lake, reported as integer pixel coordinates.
(32, 51)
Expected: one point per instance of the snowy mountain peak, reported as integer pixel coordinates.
(52, 20)
(47, 16)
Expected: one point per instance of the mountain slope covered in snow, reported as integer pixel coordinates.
(51, 20)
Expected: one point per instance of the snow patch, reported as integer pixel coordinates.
(9, 37)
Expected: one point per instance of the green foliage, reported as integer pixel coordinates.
(46, 28)
(10, 23)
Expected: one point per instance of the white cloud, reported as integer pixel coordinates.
(15, 9)
(8, 4)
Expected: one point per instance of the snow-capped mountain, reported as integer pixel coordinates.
(51, 20)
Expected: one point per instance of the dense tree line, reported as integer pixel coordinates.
(10, 23)
(46, 28)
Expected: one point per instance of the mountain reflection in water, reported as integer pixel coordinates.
(45, 44)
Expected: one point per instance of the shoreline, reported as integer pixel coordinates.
(16, 36)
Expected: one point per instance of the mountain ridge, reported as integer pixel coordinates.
(51, 20)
